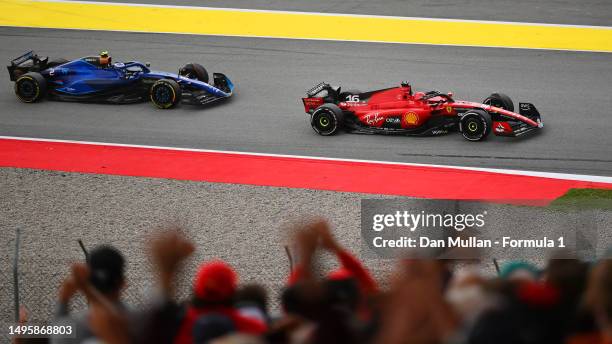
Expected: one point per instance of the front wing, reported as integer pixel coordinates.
(200, 93)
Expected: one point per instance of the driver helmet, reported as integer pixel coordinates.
(406, 84)
(105, 58)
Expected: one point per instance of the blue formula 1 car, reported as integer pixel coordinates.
(97, 79)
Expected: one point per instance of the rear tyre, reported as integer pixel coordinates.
(327, 119)
(56, 62)
(499, 100)
(348, 96)
(30, 87)
(194, 71)
(165, 93)
(476, 125)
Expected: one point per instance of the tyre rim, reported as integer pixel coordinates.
(162, 94)
(27, 89)
(472, 126)
(324, 121)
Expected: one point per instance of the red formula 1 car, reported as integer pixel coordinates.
(398, 110)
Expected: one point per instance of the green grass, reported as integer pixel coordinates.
(584, 199)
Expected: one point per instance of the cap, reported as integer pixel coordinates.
(339, 274)
(215, 281)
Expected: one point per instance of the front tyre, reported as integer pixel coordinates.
(500, 100)
(476, 125)
(194, 71)
(165, 93)
(30, 87)
(327, 119)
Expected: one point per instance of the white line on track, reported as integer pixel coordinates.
(551, 175)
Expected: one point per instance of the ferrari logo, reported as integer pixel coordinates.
(449, 109)
(411, 118)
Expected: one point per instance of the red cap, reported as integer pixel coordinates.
(538, 294)
(340, 275)
(215, 281)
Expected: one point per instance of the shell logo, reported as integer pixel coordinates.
(411, 118)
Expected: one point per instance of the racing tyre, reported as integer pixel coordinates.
(194, 71)
(30, 87)
(499, 100)
(327, 119)
(165, 93)
(348, 96)
(476, 125)
(56, 62)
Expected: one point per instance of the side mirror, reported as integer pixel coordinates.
(148, 64)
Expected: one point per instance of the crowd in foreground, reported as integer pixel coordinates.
(425, 301)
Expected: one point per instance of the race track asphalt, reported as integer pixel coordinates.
(571, 90)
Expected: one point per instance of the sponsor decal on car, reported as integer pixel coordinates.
(352, 98)
(393, 120)
(373, 119)
(349, 104)
(502, 128)
(449, 109)
(312, 102)
(411, 118)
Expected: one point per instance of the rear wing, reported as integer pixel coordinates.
(30, 55)
(317, 88)
(314, 98)
(17, 67)
(312, 103)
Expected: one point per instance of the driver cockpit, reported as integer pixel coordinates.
(406, 84)
(104, 60)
